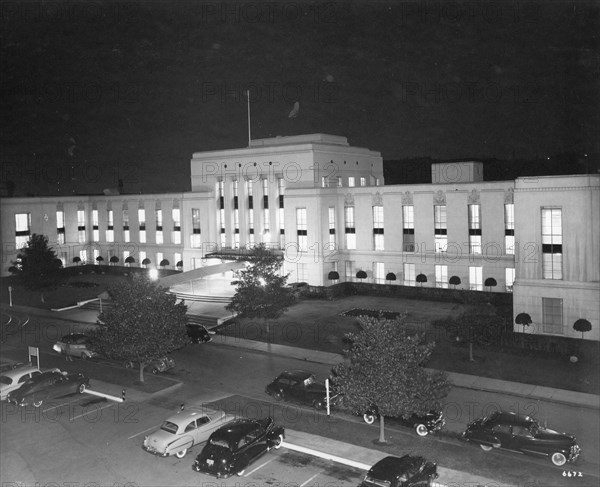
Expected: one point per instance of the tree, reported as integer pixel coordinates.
(454, 281)
(129, 260)
(333, 275)
(390, 276)
(523, 319)
(260, 289)
(37, 267)
(385, 370)
(478, 328)
(164, 263)
(146, 262)
(143, 324)
(99, 259)
(77, 260)
(114, 260)
(421, 278)
(361, 275)
(582, 325)
(490, 282)
(179, 264)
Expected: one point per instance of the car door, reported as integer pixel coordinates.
(523, 440)
(503, 433)
(191, 431)
(255, 443)
(297, 390)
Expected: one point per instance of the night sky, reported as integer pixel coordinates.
(97, 92)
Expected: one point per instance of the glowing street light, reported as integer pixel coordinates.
(153, 273)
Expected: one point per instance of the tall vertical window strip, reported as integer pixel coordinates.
(221, 194)
(281, 212)
(176, 215)
(509, 277)
(142, 224)
(441, 276)
(195, 237)
(301, 230)
(60, 227)
(509, 229)
(331, 228)
(552, 315)
(159, 227)
(351, 182)
(350, 229)
(81, 236)
(235, 195)
(408, 228)
(378, 243)
(265, 186)
(476, 278)
(110, 226)
(474, 229)
(552, 243)
(409, 275)
(379, 272)
(95, 230)
(126, 234)
(440, 228)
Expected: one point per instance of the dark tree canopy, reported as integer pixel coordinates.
(523, 319)
(99, 259)
(37, 266)
(421, 278)
(490, 282)
(454, 281)
(582, 325)
(114, 259)
(333, 275)
(144, 323)
(164, 263)
(130, 260)
(390, 276)
(385, 369)
(260, 289)
(146, 261)
(361, 275)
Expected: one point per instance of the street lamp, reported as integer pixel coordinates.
(10, 296)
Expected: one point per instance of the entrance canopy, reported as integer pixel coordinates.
(199, 273)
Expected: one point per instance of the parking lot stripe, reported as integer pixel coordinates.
(145, 431)
(260, 466)
(309, 480)
(85, 414)
(55, 407)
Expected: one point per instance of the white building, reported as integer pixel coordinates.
(323, 203)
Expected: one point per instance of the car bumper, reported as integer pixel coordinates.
(154, 451)
(209, 470)
(575, 452)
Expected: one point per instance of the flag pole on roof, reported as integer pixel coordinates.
(249, 133)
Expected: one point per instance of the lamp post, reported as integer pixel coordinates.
(10, 296)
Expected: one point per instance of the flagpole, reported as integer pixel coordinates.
(249, 133)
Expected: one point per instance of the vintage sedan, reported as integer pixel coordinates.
(405, 471)
(13, 378)
(75, 344)
(48, 385)
(232, 448)
(422, 424)
(156, 366)
(299, 386)
(523, 434)
(184, 430)
(197, 333)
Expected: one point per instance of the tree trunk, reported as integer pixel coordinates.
(142, 366)
(471, 359)
(42, 297)
(381, 429)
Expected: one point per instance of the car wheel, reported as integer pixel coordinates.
(182, 453)
(128, 365)
(83, 356)
(278, 442)
(38, 403)
(421, 430)
(369, 418)
(155, 371)
(278, 395)
(81, 388)
(486, 447)
(558, 459)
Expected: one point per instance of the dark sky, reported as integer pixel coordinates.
(94, 92)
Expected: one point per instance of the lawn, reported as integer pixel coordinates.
(321, 325)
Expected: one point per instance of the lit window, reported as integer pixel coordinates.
(195, 241)
(408, 228)
(60, 227)
(476, 278)
(301, 229)
(552, 315)
(441, 228)
(22, 229)
(552, 243)
(441, 276)
(378, 227)
(351, 182)
(409, 275)
(331, 228)
(350, 230)
(509, 229)
(474, 229)
(509, 276)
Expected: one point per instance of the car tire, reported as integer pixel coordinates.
(558, 459)
(38, 403)
(486, 447)
(83, 356)
(369, 418)
(318, 405)
(278, 442)
(128, 364)
(278, 396)
(81, 389)
(155, 371)
(181, 453)
(421, 430)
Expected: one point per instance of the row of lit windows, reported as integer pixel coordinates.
(337, 182)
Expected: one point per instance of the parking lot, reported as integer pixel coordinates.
(84, 439)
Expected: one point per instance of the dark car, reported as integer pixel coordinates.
(406, 471)
(522, 434)
(48, 385)
(422, 424)
(232, 448)
(299, 386)
(156, 366)
(197, 333)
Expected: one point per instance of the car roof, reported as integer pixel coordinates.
(513, 418)
(75, 335)
(236, 429)
(19, 371)
(390, 466)
(183, 417)
(296, 374)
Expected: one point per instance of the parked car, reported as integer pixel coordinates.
(184, 430)
(522, 434)
(405, 471)
(75, 344)
(299, 386)
(13, 378)
(156, 366)
(48, 385)
(298, 288)
(232, 448)
(197, 333)
(422, 424)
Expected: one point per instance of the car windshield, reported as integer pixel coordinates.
(169, 427)
(5, 380)
(219, 442)
(310, 380)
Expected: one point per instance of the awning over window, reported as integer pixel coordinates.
(199, 273)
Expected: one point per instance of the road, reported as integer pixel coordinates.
(102, 440)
